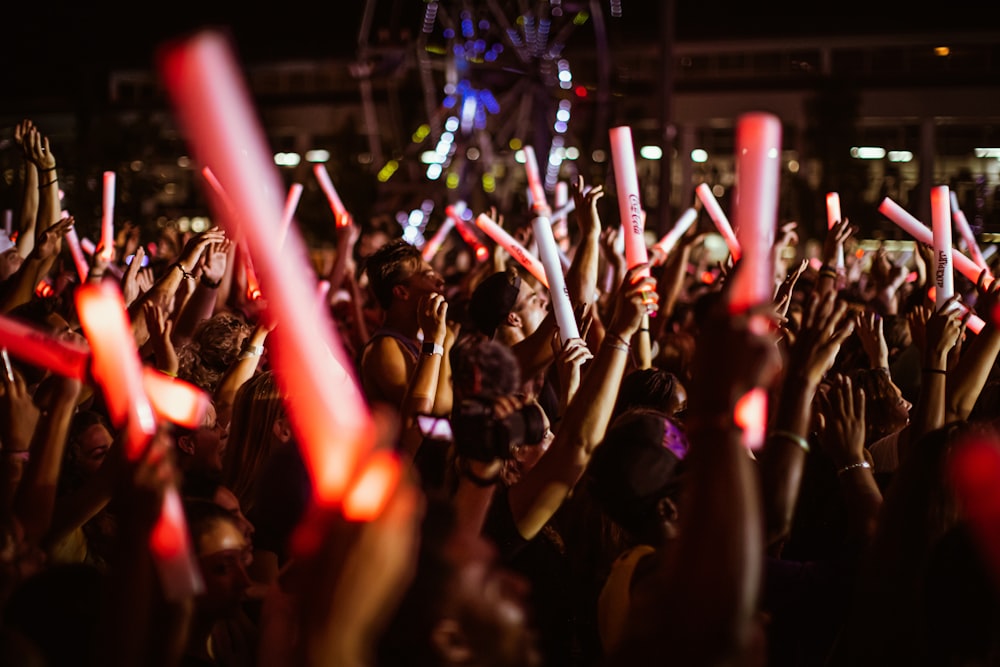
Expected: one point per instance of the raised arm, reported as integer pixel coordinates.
(967, 379)
(581, 277)
(422, 390)
(202, 304)
(28, 208)
(20, 287)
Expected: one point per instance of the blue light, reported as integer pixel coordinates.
(484, 25)
(490, 56)
(449, 102)
(448, 33)
(467, 29)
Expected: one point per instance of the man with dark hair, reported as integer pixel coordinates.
(402, 283)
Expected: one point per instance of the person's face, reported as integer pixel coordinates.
(10, 262)
(209, 442)
(228, 501)
(900, 408)
(92, 448)
(423, 281)
(223, 554)
(530, 307)
(527, 455)
(678, 402)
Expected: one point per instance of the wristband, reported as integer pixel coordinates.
(431, 348)
(853, 466)
(185, 272)
(792, 437)
(250, 352)
(211, 284)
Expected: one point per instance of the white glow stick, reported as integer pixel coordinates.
(758, 170)
(328, 412)
(832, 218)
(944, 275)
(962, 225)
(563, 212)
(291, 203)
(431, 247)
(510, 244)
(548, 253)
(919, 232)
(538, 202)
(704, 193)
(108, 217)
(629, 206)
(559, 227)
(669, 240)
(8, 222)
(82, 267)
(340, 213)
(87, 246)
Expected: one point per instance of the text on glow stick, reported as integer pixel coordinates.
(339, 212)
(627, 185)
(333, 425)
(510, 244)
(431, 247)
(944, 277)
(832, 218)
(535, 187)
(962, 225)
(108, 217)
(291, 203)
(715, 212)
(82, 268)
(921, 233)
(669, 240)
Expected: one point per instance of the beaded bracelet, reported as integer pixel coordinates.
(792, 437)
(852, 466)
(186, 274)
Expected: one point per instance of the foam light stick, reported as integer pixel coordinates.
(108, 218)
(704, 193)
(920, 233)
(559, 227)
(758, 170)
(669, 240)
(510, 244)
(82, 267)
(535, 188)
(340, 213)
(832, 218)
(962, 225)
(973, 469)
(175, 400)
(291, 203)
(944, 274)
(8, 222)
(87, 246)
(330, 418)
(118, 371)
(40, 348)
(627, 185)
(431, 247)
(469, 236)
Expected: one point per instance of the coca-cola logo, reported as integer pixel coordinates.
(635, 212)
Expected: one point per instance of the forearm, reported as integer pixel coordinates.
(238, 373)
(49, 206)
(199, 307)
(79, 507)
(28, 214)
(929, 412)
(863, 500)
(20, 287)
(443, 397)
(581, 278)
(967, 380)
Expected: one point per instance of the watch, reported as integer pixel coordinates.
(432, 348)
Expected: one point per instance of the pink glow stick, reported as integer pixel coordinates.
(340, 213)
(82, 267)
(539, 203)
(669, 240)
(920, 233)
(758, 170)
(175, 400)
(962, 225)
(118, 370)
(704, 193)
(42, 349)
(470, 238)
(944, 274)
(87, 246)
(629, 207)
(8, 222)
(330, 418)
(510, 244)
(832, 218)
(431, 247)
(108, 218)
(291, 203)
(367, 498)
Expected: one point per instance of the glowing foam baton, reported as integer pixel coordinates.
(758, 170)
(291, 203)
(87, 246)
(944, 274)
(559, 227)
(832, 218)
(8, 222)
(175, 400)
(40, 348)
(704, 193)
(962, 225)
(431, 247)
(548, 252)
(510, 244)
(973, 469)
(82, 267)
(118, 371)
(920, 233)
(327, 410)
(627, 185)
(108, 217)
(455, 215)
(669, 240)
(340, 213)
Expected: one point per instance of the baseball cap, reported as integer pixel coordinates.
(492, 301)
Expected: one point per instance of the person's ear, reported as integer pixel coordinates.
(450, 643)
(514, 320)
(669, 515)
(185, 443)
(400, 292)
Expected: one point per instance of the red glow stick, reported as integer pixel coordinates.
(669, 240)
(431, 247)
(944, 275)
(340, 213)
(538, 202)
(466, 233)
(832, 218)
(82, 268)
(510, 244)
(629, 207)
(175, 400)
(373, 487)
(108, 218)
(962, 225)
(329, 415)
(42, 349)
(719, 218)
(919, 232)
(291, 203)
(253, 284)
(974, 472)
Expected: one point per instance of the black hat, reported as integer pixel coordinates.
(492, 301)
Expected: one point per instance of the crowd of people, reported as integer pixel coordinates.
(584, 501)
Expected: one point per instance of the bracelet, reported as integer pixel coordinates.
(250, 352)
(939, 371)
(47, 183)
(616, 346)
(792, 437)
(42, 171)
(852, 466)
(186, 274)
(481, 482)
(432, 348)
(211, 284)
(827, 271)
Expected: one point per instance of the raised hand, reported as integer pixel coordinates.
(836, 236)
(783, 295)
(825, 327)
(214, 261)
(942, 333)
(871, 333)
(160, 328)
(18, 413)
(585, 201)
(842, 411)
(569, 361)
(196, 245)
(432, 316)
(38, 150)
(22, 136)
(636, 298)
(49, 242)
(130, 282)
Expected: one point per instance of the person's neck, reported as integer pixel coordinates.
(402, 321)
